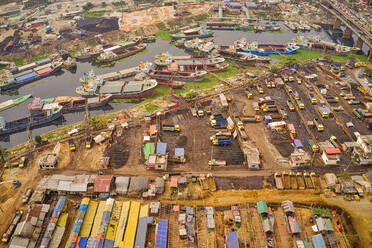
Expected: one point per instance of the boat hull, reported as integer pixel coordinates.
(71, 108)
(30, 80)
(168, 77)
(268, 52)
(35, 123)
(121, 56)
(193, 36)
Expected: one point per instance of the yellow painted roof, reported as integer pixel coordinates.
(144, 212)
(114, 221)
(122, 223)
(130, 233)
(88, 219)
(62, 220)
(98, 218)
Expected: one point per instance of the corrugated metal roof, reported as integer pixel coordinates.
(138, 184)
(232, 240)
(332, 151)
(122, 184)
(161, 148)
(174, 181)
(162, 234)
(144, 212)
(102, 184)
(19, 242)
(142, 232)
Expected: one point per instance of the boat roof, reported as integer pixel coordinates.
(133, 86)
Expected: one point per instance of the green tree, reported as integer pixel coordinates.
(368, 71)
(274, 69)
(38, 139)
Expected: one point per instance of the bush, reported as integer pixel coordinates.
(38, 139)
(88, 6)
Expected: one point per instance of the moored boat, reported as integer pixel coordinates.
(168, 75)
(13, 102)
(165, 59)
(206, 46)
(193, 33)
(69, 63)
(43, 116)
(268, 49)
(19, 69)
(76, 103)
(10, 81)
(241, 58)
(120, 89)
(119, 52)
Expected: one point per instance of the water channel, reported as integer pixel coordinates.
(65, 83)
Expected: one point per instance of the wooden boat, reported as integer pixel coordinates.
(177, 75)
(119, 52)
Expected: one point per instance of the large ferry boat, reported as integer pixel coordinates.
(193, 33)
(21, 76)
(42, 116)
(265, 49)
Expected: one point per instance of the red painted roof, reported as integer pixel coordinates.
(332, 151)
(43, 71)
(102, 183)
(174, 181)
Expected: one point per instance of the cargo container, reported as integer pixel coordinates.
(315, 180)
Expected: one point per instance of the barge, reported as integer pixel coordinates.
(11, 81)
(43, 116)
(193, 33)
(119, 52)
(120, 89)
(168, 75)
(229, 52)
(76, 103)
(13, 102)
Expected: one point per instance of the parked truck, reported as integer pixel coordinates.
(20, 163)
(313, 100)
(171, 128)
(217, 117)
(300, 104)
(221, 142)
(216, 162)
(218, 122)
(314, 147)
(353, 102)
(335, 142)
(12, 226)
(357, 114)
(27, 195)
(71, 145)
(319, 126)
(295, 95)
(332, 99)
(324, 111)
(290, 105)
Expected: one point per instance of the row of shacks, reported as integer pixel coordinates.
(97, 185)
(97, 224)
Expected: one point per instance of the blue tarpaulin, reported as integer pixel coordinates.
(232, 240)
(161, 148)
(298, 143)
(179, 152)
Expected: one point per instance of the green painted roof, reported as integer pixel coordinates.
(110, 89)
(262, 207)
(148, 148)
(308, 244)
(328, 224)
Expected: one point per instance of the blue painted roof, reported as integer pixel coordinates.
(179, 152)
(318, 241)
(161, 234)
(232, 240)
(27, 76)
(161, 148)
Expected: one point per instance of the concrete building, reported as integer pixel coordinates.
(363, 151)
(331, 156)
(299, 158)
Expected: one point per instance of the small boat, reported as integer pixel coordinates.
(291, 25)
(206, 47)
(119, 52)
(13, 102)
(91, 52)
(149, 39)
(192, 44)
(193, 33)
(330, 46)
(43, 116)
(230, 52)
(10, 81)
(269, 49)
(76, 103)
(69, 63)
(172, 84)
(177, 75)
(120, 89)
(179, 43)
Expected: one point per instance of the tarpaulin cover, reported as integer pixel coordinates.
(161, 148)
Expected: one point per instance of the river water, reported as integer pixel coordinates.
(65, 83)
